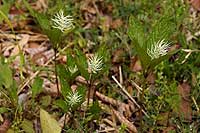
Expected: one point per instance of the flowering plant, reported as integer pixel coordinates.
(151, 48)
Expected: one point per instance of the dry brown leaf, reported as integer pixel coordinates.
(151, 78)
(116, 23)
(33, 45)
(135, 64)
(169, 129)
(47, 55)
(86, 6)
(50, 88)
(185, 105)
(195, 4)
(24, 40)
(118, 56)
(34, 51)
(38, 38)
(64, 120)
(5, 126)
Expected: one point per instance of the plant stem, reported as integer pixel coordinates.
(89, 90)
(56, 73)
(142, 100)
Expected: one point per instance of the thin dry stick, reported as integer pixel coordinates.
(120, 75)
(107, 130)
(189, 51)
(136, 86)
(56, 72)
(128, 95)
(195, 103)
(123, 120)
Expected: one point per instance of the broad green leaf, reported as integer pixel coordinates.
(81, 63)
(162, 29)
(27, 126)
(64, 79)
(4, 10)
(95, 110)
(3, 110)
(37, 86)
(13, 92)
(28, 7)
(48, 124)
(43, 20)
(6, 75)
(55, 37)
(62, 104)
(45, 101)
(136, 31)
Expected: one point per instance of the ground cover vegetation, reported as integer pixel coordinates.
(99, 66)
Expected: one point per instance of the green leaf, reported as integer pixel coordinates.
(81, 63)
(29, 8)
(6, 75)
(48, 124)
(13, 93)
(4, 10)
(3, 110)
(43, 20)
(61, 104)
(136, 31)
(64, 79)
(162, 29)
(37, 86)
(55, 36)
(95, 110)
(27, 126)
(45, 101)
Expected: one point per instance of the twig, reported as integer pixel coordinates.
(123, 120)
(107, 130)
(120, 75)
(136, 86)
(56, 72)
(129, 96)
(189, 51)
(195, 103)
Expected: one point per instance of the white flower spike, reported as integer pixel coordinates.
(62, 22)
(159, 49)
(95, 63)
(73, 98)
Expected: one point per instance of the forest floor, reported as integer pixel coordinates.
(121, 66)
